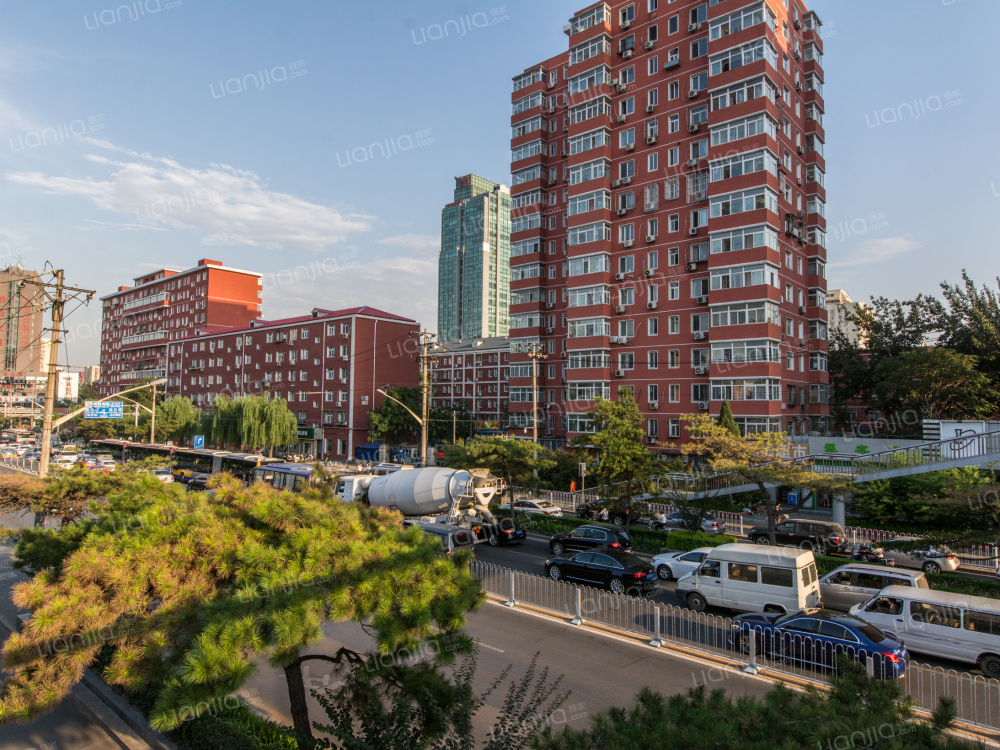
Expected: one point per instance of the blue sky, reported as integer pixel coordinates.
(282, 176)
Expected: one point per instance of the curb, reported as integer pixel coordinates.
(98, 702)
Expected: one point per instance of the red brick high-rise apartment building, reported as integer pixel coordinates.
(668, 230)
(166, 305)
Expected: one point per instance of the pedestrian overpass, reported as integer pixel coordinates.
(969, 450)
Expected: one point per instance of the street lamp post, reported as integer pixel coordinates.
(421, 422)
(43, 465)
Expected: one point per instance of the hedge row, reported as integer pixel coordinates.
(643, 539)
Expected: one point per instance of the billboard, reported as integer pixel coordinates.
(103, 410)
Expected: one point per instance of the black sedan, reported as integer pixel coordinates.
(620, 572)
(590, 537)
(504, 531)
(615, 511)
(818, 638)
(822, 537)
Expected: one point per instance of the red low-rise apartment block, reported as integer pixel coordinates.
(328, 365)
(668, 224)
(139, 322)
(474, 373)
(201, 330)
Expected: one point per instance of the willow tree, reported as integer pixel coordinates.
(281, 426)
(193, 590)
(253, 421)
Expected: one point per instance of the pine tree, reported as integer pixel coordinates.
(191, 589)
(727, 420)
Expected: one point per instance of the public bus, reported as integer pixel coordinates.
(188, 461)
(124, 450)
(139, 451)
(285, 476)
(18, 437)
(114, 448)
(242, 465)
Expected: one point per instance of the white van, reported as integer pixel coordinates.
(753, 578)
(939, 623)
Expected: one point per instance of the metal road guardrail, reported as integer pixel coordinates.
(29, 466)
(977, 698)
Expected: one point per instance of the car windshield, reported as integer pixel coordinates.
(622, 537)
(545, 505)
(837, 529)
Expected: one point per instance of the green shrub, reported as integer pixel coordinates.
(643, 539)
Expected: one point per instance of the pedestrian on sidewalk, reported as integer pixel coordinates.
(572, 486)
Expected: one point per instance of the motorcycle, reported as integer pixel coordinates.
(869, 553)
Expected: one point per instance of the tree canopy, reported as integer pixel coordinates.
(756, 459)
(936, 383)
(962, 328)
(192, 588)
(392, 424)
(253, 422)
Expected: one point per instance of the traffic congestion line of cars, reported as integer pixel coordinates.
(859, 610)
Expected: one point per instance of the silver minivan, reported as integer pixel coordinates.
(857, 583)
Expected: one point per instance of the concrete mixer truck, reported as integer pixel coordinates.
(452, 496)
(433, 494)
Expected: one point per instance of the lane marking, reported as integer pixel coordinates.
(491, 648)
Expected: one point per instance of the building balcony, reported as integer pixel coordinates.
(142, 374)
(146, 303)
(144, 338)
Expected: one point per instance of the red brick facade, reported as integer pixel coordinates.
(668, 230)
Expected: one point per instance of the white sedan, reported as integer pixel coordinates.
(930, 560)
(676, 565)
(534, 506)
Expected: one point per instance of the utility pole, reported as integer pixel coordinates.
(535, 353)
(152, 418)
(55, 292)
(454, 426)
(426, 340)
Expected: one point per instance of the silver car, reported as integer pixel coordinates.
(857, 583)
(675, 521)
(676, 565)
(930, 559)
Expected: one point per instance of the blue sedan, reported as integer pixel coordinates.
(819, 637)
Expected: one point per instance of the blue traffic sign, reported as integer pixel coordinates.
(103, 410)
(199, 441)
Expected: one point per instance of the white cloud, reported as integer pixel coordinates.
(228, 206)
(340, 282)
(413, 242)
(877, 251)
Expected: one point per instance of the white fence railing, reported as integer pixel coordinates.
(977, 698)
(27, 465)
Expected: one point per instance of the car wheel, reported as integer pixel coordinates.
(743, 642)
(555, 573)
(558, 548)
(617, 587)
(990, 664)
(761, 540)
(619, 520)
(931, 567)
(696, 602)
(494, 540)
(664, 573)
(809, 546)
